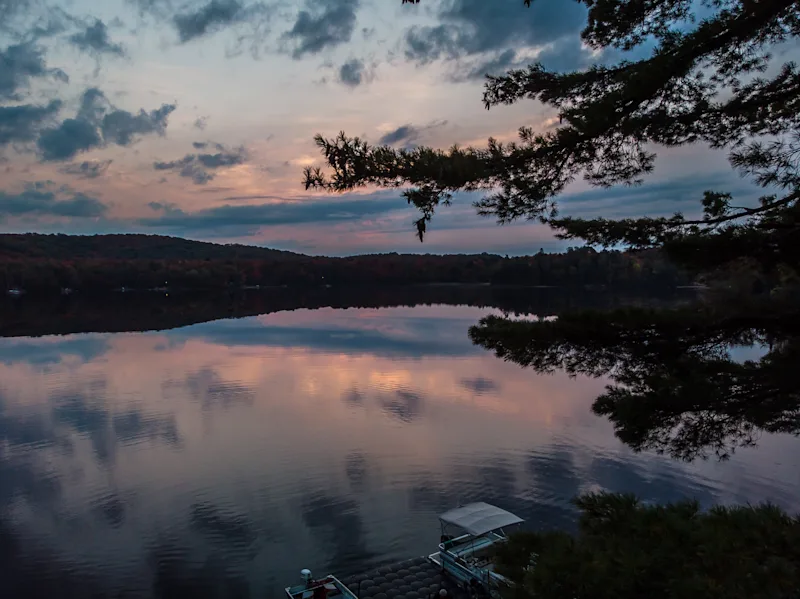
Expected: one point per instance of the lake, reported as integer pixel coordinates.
(220, 458)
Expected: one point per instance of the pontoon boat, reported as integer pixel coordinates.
(468, 556)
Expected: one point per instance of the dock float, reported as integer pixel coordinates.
(416, 578)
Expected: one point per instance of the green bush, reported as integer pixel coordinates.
(626, 549)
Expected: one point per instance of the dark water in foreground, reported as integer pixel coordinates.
(218, 459)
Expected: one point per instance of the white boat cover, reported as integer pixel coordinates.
(479, 518)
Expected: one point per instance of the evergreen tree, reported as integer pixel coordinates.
(628, 549)
(677, 385)
(710, 79)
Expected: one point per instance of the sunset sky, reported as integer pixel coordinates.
(195, 118)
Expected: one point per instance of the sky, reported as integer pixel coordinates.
(195, 118)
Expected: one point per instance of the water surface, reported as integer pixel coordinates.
(218, 459)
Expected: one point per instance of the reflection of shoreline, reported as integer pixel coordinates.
(113, 313)
(180, 451)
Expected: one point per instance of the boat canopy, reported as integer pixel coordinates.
(479, 518)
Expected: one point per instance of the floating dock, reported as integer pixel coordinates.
(416, 578)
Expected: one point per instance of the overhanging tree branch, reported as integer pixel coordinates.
(702, 82)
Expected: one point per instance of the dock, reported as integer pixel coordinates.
(416, 578)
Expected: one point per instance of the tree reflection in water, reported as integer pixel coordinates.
(676, 385)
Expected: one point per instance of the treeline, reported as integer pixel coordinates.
(87, 267)
(127, 247)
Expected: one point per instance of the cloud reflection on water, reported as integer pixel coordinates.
(238, 452)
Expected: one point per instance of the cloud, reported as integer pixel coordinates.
(196, 166)
(193, 19)
(41, 352)
(191, 170)
(201, 123)
(199, 145)
(34, 20)
(480, 385)
(222, 158)
(207, 19)
(48, 21)
(324, 24)
(151, 6)
(94, 105)
(492, 65)
(20, 124)
(656, 198)
(407, 134)
(97, 124)
(94, 39)
(565, 54)
(492, 32)
(402, 133)
(426, 44)
(431, 340)
(88, 169)
(71, 137)
(120, 126)
(10, 7)
(354, 72)
(253, 217)
(18, 65)
(38, 199)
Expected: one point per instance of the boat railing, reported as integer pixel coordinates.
(468, 540)
(447, 544)
(322, 588)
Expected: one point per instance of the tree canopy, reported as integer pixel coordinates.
(711, 73)
(668, 73)
(708, 75)
(628, 549)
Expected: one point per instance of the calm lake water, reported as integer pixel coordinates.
(219, 459)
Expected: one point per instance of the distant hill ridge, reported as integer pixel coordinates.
(139, 246)
(35, 263)
(128, 247)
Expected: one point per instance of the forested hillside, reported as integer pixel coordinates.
(46, 263)
(126, 247)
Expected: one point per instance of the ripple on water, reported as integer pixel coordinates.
(157, 467)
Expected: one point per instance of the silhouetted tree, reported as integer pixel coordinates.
(707, 78)
(678, 388)
(626, 549)
(703, 81)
